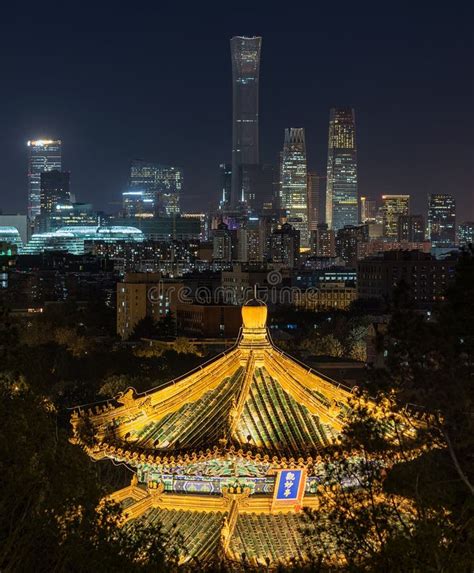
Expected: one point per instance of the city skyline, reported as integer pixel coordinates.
(411, 138)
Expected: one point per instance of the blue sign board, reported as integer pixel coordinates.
(288, 487)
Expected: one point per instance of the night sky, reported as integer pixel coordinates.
(117, 81)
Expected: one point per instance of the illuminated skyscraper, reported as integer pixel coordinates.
(55, 193)
(314, 200)
(442, 220)
(368, 210)
(341, 191)
(43, 155)
(245, 53)
(154, 189)
(323, 241)
(411, 228)
(466, 233)
(225, 179)
(392, 207)
(294, 182)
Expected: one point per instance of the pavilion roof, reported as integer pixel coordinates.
(253, 398)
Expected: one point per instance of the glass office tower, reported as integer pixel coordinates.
(442, 220)
(294, 182)
(154, 189)
(43, 155)
(341, 191)
(393, 207)
(225, 178)
(245, 54)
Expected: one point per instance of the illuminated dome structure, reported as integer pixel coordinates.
(72, 239)
(10, 240)
(229, 453)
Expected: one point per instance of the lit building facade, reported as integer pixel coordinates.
(368, 210)
(251, 242)
(442, 220)
(73, 239)
(411, 228)
(225, 178)
(141, 295)
(328, 296)
(393, 206)
(74, 215)
(55, 192)
(181, 228)
(342, 186)
(20, 222)
(43, 155)
(10, 240)
(245, 55)
(466, 233)
(223, 243)
(154, 189)
(323, 241)
(285, 246)
(294, 182)
(347, 241)
(314, 200)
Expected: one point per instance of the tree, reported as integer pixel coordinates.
(167, 326)
(49, 497)
(147, 327)
(399, 494)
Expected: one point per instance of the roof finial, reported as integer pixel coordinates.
(255, 291)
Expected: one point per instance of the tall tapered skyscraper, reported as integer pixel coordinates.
(294, 182)
(341, 193)
(245, 53)
(43, 155)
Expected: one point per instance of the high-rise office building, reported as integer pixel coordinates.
(225, 179)
(411, 228)
(54, 190)
(43, 155)
(442, 220)
(245, 54)
(154, 190)
(314, 200)
(74, 215)
(392, 207)
(294, 182)
(323, 241)
(341, 190)
(285, 246)
(54, 193)
(466, 233)
(368, 210)
(347, 240)
(223, 243)
(251, 240)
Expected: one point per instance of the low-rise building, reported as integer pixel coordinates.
(330, 296)
(144, 294)
(425, 277)
(210, 321)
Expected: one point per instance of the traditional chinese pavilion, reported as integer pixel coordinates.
(229, 453)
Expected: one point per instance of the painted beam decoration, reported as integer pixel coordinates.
(289, 488)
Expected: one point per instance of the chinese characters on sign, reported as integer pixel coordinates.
(289, 488)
